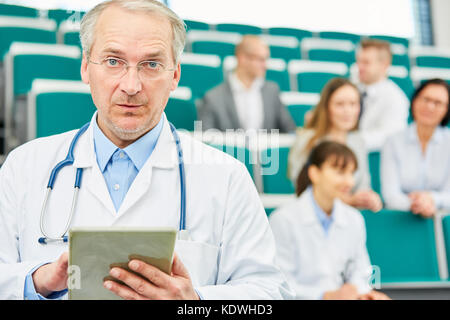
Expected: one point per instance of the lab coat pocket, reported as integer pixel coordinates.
(200, 259)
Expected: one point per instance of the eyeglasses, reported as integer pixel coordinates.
(147, 70)
(437, 103)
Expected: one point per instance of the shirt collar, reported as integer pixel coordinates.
(321, 215)
(237, 85)
(413, 137)
(139, 151)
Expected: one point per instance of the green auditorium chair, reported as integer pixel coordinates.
(60, 15)
(298, 33)
(430, 57)
(400, 76)
(402, 245)
(56, 106)
(276, 71)
(69, 33)
(18, 11)
(311, 76)
(374, 169)
(196, 25)
(180, 109)
(446, 228)
(274, 162)
(298, 104)
(283, 47)
(200, 72)
(328, 50)
(395, 40)
(355, 38)
(212, 42)
(239, 28)
(14, 29)
(25, 62)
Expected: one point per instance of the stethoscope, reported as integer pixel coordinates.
(69, 160)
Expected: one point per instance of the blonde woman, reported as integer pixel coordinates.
(335, 118)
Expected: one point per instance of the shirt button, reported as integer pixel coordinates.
(121, 155)
(116, 187)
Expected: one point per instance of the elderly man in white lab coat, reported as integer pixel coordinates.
(131, 53)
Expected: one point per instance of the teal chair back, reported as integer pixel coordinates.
(274, 162)
(347, 57)
(280, 77)
(239, 28)
(297, 112)
(374, 169)
(200, 78)
(402, 245)
(284, 53)
(401, 60)
(59, 15)
(196, 25)
(59, 112)
(72, 38)
(29, 67)
(17, 11)
(405, 84)
(314, 81)
(182, 113)
(433, 62)
(9, 35)
(355, 38)
(298, 33)
(222, 49)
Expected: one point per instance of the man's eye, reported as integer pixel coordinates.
(111, 62)
(151, 64)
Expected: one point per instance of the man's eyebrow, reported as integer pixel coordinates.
(113, 51)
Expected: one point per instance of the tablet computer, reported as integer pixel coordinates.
(94, 251)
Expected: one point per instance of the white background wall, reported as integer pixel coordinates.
(390, 17)
(440, 17)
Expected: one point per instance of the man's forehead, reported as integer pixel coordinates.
(117, 28)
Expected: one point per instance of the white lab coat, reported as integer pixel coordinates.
(232, 252)
(314, 262)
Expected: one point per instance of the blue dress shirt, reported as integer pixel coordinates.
(119, 167)
(405, 168)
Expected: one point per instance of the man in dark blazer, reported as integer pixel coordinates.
(246, 100)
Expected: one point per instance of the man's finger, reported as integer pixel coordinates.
(153, 274)
(122, 291)
(140, 285)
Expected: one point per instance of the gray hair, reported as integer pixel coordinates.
(150, 6)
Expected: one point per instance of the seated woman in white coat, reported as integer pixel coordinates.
(335, 118)
(321, 241)
(415, 163)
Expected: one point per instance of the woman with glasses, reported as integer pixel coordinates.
(415, 163)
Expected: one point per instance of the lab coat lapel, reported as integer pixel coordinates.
(163, 156)
(93, 179)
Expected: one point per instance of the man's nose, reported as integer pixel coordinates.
(130, 82)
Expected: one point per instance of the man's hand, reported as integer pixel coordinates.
(374, 295)
(366, 199)
(51, 277)
(153, 283)
(422, 203)
(346, 292)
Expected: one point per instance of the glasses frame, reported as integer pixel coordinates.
(138, 66)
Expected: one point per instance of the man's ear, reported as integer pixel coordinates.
(176, 77)
(84, 69)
